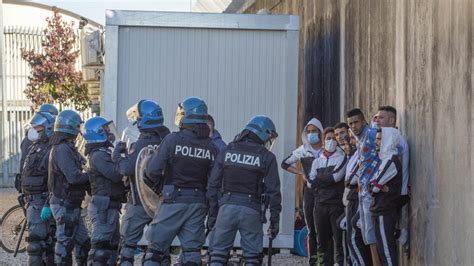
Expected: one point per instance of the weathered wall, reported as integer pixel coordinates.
(416, 55)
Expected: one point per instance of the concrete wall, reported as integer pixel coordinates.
(416, 55)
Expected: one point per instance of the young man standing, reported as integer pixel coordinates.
(368, 163)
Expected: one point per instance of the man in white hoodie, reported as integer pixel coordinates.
(386, 189)
(305, 154)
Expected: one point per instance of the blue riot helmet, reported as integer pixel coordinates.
(146, 114)
(49, 108)
(192, 110)
(69, 122)
(263, 127)
(99, 129)
(42, 125)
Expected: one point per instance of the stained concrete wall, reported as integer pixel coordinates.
(416, 55)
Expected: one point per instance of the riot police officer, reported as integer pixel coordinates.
(68, 183)
(106, 190)
(182, 165)
(31, 136)
(34, 186)
(148, 117)
(244, 179)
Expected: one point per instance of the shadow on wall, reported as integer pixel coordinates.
(321, 75)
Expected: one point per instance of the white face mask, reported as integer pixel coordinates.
(33, 135)
(330, 145)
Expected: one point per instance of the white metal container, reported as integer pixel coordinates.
(241, 65)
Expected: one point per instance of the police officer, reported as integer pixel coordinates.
(106, 189)
(31, 136)
(182, 164)
(246, 175)
(34, 186)
(68, 183)
(148, 117)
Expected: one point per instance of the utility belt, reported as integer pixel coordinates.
(173, 194)
(36, 197)
(259, 204)
(68, 204)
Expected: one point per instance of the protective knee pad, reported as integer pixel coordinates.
(154, 256)
(101, 256)
(35, 248)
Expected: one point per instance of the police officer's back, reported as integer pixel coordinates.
(183, 163)
(243, 182)
(147, 115)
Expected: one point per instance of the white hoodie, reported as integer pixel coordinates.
(305, 150)
(388, 148)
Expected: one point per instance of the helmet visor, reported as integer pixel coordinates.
(81, 143)
(133, 113)
(271, 141)
(179, 115)
(111, 130)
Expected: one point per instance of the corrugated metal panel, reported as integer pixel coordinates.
(238, 72)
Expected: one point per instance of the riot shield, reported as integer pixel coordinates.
(150, 200)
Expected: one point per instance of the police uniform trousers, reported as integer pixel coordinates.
(185, 220)
(230, 220)
(105, 235)
(326, 217)
(131, 231)
(71, 233)
(385, 229)
(40, 247)
(359, 252)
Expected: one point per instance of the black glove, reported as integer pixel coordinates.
(121, 147)
(211, 222)
(274, 229)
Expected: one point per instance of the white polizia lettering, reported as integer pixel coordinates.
(242, 159)
(193, 152)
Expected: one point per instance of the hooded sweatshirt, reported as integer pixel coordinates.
(304, 153)
(389, 174)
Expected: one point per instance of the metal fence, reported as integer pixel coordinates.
(16, 109)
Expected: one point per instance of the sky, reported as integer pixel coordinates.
(95, 10)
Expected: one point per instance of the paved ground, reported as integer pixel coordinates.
(8, 199)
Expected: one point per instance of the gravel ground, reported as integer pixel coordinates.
(8, 199)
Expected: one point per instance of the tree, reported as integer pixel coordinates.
(53, 77)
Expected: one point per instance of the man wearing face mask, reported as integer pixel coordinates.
(68, 183)
(386, 188)
(30, 137)
(106, 190)
(306, 153)
(327, 180)
(34, 186)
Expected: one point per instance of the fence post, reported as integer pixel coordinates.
(3, 117)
